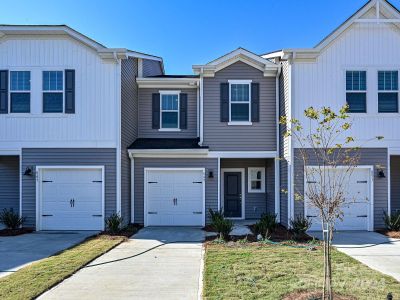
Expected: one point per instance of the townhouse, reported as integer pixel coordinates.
(86, 131)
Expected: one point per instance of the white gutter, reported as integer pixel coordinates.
(201, 106)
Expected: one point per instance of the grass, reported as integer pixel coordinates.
(270, 271)
(33, 280)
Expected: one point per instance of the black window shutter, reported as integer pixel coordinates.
(156, 111)
(3, 91)
(69, 91)
(255, 102)
(224, 93)
(183, 111)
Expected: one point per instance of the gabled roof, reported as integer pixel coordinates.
(374, 11)
(102, 50)
(240, 54)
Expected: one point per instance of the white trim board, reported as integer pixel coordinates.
(39, 188)
(145, 180)
(243, 175)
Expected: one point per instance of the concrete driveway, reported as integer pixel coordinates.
(372, 249)
(157, 263)
(19, 251)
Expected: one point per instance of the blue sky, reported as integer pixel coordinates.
(190, 32)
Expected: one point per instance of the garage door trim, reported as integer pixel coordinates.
(371, 190)
(145, 185)
(39, 170)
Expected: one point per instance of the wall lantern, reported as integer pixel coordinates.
(210, 174)
(28, 171)
(381, 173)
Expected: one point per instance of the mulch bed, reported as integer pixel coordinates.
(127, 232)
(14, 232)
(313, 295)
(391, 234)
(280, 235)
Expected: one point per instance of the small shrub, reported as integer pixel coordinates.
(392, 222)
(266, 225)
(11, 219)
(114, 223)
(300, 225)
(222, 226)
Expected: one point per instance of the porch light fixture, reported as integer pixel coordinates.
(28, 171)
(381, 174)
(210, 174)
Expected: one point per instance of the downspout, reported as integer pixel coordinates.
(277, 159)
(201, 106)
(119, 143)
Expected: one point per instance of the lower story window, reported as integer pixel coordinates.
(256, 180)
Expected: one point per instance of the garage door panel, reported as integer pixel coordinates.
(356, 209)
(71, 199)
(163, 186)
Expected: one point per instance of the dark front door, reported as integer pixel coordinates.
(233, 194)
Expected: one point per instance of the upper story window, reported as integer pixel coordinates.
(239, 101)
(20, 87)
(356, 91)
(388, 88)
(169, 111)
(53, 91)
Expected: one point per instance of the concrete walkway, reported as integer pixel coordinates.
(372, 249)
(19, 251)
(157, 263)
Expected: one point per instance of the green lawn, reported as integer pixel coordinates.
(269, 272)
(35, 279)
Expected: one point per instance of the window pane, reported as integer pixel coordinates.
(256, 185)
(169, 120)
(52, 80)
(239, 112)
(240, 92)
(356, 80)
(388, 80)
(357, 102)
(20, 80)
(52, 102)
(387, 102)
(169, 102)
(20, 102)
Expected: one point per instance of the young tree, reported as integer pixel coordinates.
(326, 145)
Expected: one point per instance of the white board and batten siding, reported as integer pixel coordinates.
(96, 86)
(363, 46)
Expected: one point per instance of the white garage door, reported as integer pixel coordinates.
(71, 199)
(174, 198)
(357, 206)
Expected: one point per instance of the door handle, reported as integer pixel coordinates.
(70, 202)
(73, 202)
(176, 201)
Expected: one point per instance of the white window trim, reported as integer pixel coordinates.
(360, 91)
(54, 91)
(248, 82)
(249, 170)
(161, 110)
(388, 91)
(10, 91)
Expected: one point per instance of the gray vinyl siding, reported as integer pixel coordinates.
(145, 115)
(152, 68)
(395, 183)
(210, 164)
(129, 129)
(33, 157)
(283, 164)
(368, 156)
(9, 183)
(219, 136)
(256, 203)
